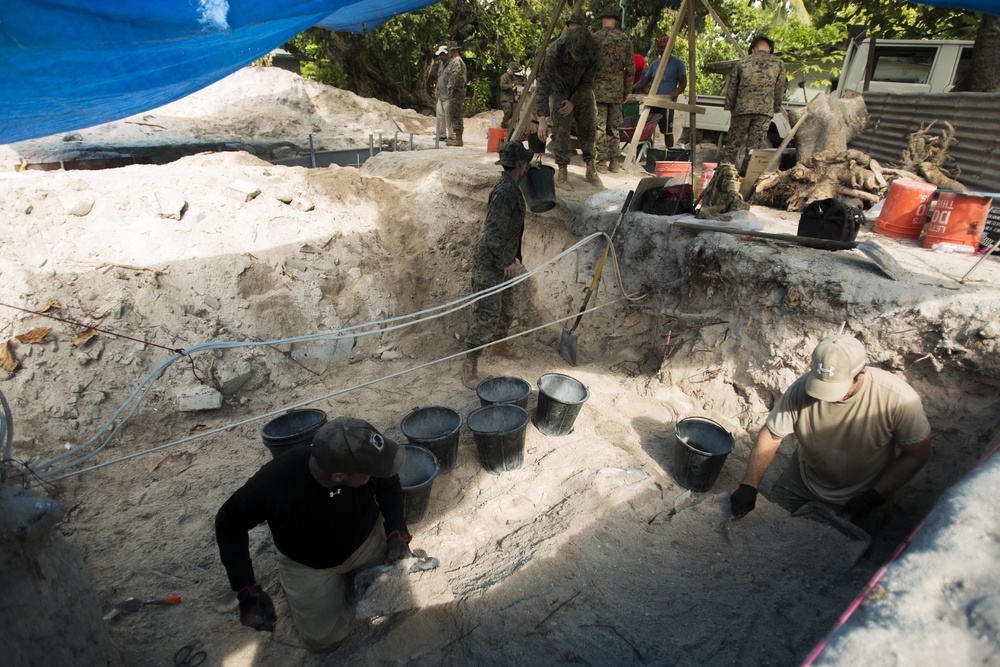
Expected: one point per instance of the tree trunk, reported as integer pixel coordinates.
(985, 74)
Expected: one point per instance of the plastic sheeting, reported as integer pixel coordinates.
(988, 6)
(71, 64)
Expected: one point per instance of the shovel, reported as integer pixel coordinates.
(567, 344)
(886, 263)
(132, 605)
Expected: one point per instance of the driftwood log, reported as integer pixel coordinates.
(844, 174)
(928, 154)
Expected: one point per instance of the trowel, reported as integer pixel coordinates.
(132, 605)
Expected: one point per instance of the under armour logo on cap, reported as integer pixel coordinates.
(836, 361)
(347, 445)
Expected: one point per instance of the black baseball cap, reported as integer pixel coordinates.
(351, 445)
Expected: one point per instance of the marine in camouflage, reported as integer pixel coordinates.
(615, 71)
(499, 247)
(756, 89)
(564, 78)
(508, 84)
(456, 93)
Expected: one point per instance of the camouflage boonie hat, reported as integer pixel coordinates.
(576, 17)
(453, 46)
(610, 11)
(580, 43)
(513, 153)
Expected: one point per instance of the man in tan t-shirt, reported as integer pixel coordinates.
(849, 421)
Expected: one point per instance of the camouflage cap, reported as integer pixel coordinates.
(453, 46)
(580, 43)
(610, 11)
(576, 17)
(513, 153)
(515, 66)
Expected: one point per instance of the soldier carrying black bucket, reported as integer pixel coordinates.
(333, 507)
(496, 258)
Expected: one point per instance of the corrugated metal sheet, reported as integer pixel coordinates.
(894, 117)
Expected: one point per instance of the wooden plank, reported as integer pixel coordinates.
(664, 102)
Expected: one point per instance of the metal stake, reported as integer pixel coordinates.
(980, 261)
(312, 154)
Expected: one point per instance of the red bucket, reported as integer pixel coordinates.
(905, 209)
(497, 136)
(674, 170)
(957, 219)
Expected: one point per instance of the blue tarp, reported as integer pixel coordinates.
(988, 6)
(71, 64)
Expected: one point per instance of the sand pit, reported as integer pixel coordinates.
(590, 553)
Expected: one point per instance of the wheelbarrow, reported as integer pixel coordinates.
(627, 131)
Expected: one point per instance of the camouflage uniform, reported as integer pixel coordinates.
(456, 93)
(756, 89)
(508, 83)
(563, 79)
(615, 69)
(498, 248)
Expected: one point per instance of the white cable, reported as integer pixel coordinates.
(421, 316)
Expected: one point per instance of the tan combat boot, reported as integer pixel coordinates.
(470, 374)
(592, 176)
(615, 165)
(601, 165)
(457, 141)
(502, 349)
(562, 177)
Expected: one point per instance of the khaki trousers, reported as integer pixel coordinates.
(317, 598)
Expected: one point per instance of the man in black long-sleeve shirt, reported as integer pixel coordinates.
(333, 507)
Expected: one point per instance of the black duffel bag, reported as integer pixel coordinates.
(832, 219)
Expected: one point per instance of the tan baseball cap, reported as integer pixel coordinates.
(835, 362)
(354, 446)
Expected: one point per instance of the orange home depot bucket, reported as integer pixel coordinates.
(674, 170)
(905, 209)
(707, 172)
(957, 219)
(497, 136)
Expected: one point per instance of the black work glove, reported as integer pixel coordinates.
(860, 506)
(256, 608)
(743, 500)
(397, 546)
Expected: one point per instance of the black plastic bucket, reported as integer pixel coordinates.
(535, 145)
(539, 188)
(700, 450)
(560, 398)
(436, 429)
(499, 431)
(504, 389)
(416, 476)
(295, 427)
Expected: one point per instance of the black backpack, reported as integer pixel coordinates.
(668, 200)
(832, 219)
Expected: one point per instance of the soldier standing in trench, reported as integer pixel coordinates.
(497, 258)
(849, 421)
(567, 77)
(615, 69)
(441, 93)
(756, 89)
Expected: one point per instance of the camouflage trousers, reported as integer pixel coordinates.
(750, 128)
(456, 107)
(582, 119)
(492, 315)
(508, 113)
(609, 122)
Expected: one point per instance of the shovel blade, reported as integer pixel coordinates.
(883, 260)
(129, 606)
(567, 347)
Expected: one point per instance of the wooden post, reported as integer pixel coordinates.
(725, 30)
(692, 95)
(667, 50)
